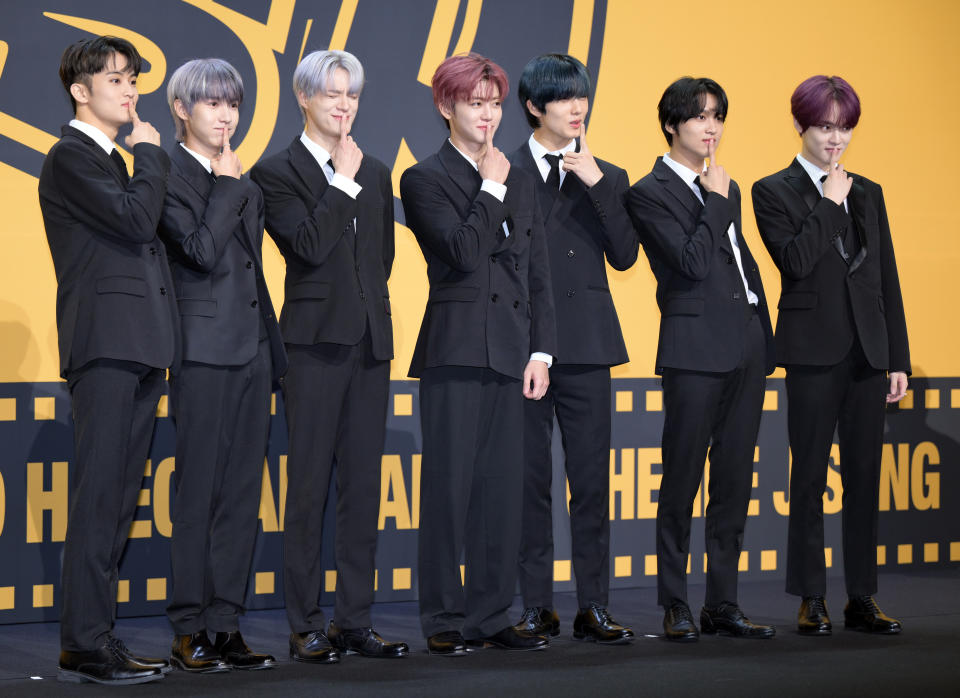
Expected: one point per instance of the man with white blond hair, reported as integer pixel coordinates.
(329, 208)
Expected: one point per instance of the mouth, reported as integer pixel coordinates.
(575, 124)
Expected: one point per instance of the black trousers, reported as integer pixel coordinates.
(848, 397)
(580, 398)
(470, 499)
(222, 415)
(336, 403)
(114, 408)
(719, 412)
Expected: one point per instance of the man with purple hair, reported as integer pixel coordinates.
(842, 337)
(487, 339)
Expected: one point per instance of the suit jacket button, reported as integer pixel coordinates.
(729, 259)
(493, 258)
(571, 293)
(516, 267)
(249, 264)
(163, 291)
(356, 267)
(494, 297)
(153, 250)
(570, 253)
(516, 304)
(253, 304)
(736, 295)
(363, 296)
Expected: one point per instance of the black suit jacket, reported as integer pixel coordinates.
(824, 299)
(582, 226)
(490, 302)
(336, 281)
(114, 291)
(213, 229)
(703, 306)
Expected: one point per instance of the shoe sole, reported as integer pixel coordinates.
(456, 653)
(815, 632)
(68, 676)
(211, 670)
(486, 644)
(585, 637)
(307, 660)
(863, 629)
(373, 656)
(682, 638)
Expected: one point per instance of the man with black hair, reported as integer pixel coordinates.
(585, 221)
(715, 350)
(117, 327)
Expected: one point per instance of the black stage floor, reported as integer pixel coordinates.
(923, 661)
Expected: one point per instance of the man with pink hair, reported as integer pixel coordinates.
(487, 339)
(842, 337)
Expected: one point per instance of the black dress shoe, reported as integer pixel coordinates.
(678, 624)
(862, 613)
(105, 665)
(594, 624)
(313, 647)
(728, 619)
(153, 662)
(234, 651)
(539, 620)
(447, 644)
(364, 641)
(195, 654)
(511, 639)
(812, 618)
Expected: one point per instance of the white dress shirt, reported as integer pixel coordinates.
(538, 151)
(815, 174)
(204, 161)
(334, 179)
(689, 176)
(96, 134)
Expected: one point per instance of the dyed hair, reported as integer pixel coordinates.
(814, 98)
(316, 70)
(457, 77)
(548, 78)
(200, 79)
(84, 59)
(685, 99)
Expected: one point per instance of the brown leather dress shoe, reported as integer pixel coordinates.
(105, 665)
(313, 647)
(234, 651)
(594, 624)
(539, 620)
(449, 643)
(365, 642)
(862, 613)
(195, 654)
(728, 619)
(812, 618)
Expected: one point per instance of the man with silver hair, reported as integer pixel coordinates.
(212, 225)
(329, 207)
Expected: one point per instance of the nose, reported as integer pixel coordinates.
(579, 106)
(486, 112)
(343, 103)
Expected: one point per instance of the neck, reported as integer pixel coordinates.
(472, 149)
(550, 140)
(811, 159)
(685, 159)
(87, 117)
(314, 134)
(200, 148)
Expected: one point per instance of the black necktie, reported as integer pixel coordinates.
(703, 191)
(553, 177)
(330, 165)
(121, 166)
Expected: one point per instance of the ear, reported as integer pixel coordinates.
(181, 110)
(533, 110)
(796, 125)
(80, 93)
(445, 112)
(672, 130)
(302, 100)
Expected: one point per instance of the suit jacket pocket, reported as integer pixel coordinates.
(798, 301)
(683, 306)
(204, 307)
(312, 290)
(599, 289)
(130, 285)
(441, 294)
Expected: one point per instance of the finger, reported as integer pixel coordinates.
(583, 135)
(712, 151)
(133, 113)
(344, 128)
(489, 138)
(225, 141)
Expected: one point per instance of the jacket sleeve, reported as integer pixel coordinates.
(892, 299)
(621, 243)
(389, 234)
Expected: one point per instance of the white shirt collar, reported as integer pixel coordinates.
(204, 161)
(813, 170)
(469, 159)
(684, 172)
(318, 152)
(96, 134)
(539, 151)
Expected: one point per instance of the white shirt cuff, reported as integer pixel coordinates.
(495, 189)
(540, 356)
(346, 185)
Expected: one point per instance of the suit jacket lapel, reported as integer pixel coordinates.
(97, 150)
(676, 187)
(192, 171)
(307, 168)
(857, 202)
(798, 178)
(460, 171)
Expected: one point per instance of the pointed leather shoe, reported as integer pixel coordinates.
(104, 666)
(234, 651)
(195, 654)
(539, 620)
(511, 639)
(862, 613)
(153, 662)
(449, 643)
(594, 624)
(313, 647)
(365, 642)
(728, 619)
(678, 625)
(812, 618)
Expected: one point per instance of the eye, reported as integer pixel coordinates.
(234, 105)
